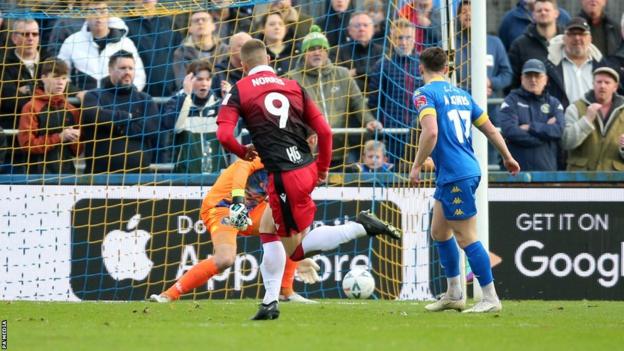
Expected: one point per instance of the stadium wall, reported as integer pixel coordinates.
(555, 243)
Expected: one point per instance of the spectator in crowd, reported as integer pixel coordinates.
(4, 38)
(594, 129)
(376, 10)
(534, 42)
(63, 27)
(499, 71)
(154, 38)
(231, 19)
(192, 115)
(201, 43)
(571, 60)
(336, 94)
(281, 52)
(374, 158)
(297, 22)
(334, 23)
(18, 72)
(605, 31)
(228, 72)
(359, 54)
(617, 60)
(49, 125)
(532, 121)
(119, 123)
(392, 82)
(516, 20)
(88, 51)
(428, 29)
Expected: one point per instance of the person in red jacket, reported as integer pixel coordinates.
(48, 125)
(279, 115)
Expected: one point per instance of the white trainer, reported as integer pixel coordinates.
(294, 297)
(162, 298)
(485, 306)
(446, 303)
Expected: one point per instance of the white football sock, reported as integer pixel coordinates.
(489, 292)
(272, 268)
(454, 289)
(328, 237)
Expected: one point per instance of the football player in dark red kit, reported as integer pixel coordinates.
(278, 114)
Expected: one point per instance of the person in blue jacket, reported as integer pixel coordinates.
(532, 121)
(390, 87)
(499, 72)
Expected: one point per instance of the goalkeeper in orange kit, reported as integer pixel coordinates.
(234, 205)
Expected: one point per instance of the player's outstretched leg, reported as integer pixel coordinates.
(196, 276)
(267, 312)
(375, 226)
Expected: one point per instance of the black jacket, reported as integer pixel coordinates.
(119, 129)
(616, 61)
(334, 25)
(14, 75)
(155, 40)
(530, 45)
(224, 71)
(612, 37)
(352, 54)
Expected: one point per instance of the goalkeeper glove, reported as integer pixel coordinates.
(307, 270)
(239, 217)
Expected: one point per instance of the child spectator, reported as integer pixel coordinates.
(374, 158)
(48, 124)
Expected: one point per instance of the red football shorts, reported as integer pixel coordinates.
(291, 200)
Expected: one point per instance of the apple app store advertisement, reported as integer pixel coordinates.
(126, 249)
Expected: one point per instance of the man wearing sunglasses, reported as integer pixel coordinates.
(17, 80)
(17, 77)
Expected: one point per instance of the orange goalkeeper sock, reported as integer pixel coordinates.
(196, 276)
(289, 276)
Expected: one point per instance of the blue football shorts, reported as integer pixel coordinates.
(458, 198)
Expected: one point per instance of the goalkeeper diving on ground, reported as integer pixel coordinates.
(234, 206)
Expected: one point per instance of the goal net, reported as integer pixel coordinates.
(101, 189)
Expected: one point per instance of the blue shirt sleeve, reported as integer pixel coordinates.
(424, 102)
(477, 115)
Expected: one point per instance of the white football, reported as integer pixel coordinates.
(358, 283)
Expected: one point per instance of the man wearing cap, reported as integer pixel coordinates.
(336, 94)
(571, 60)
(594, 130)
(532, 120)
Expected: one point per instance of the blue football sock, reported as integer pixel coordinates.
(449, 256)
(479, 262)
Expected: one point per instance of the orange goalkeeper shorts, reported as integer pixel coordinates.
(222, 233)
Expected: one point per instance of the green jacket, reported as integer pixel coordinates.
(341, 101)
(594, 146)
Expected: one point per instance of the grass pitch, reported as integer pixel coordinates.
(330, 325)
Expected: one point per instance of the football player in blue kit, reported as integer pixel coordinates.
(446, 115)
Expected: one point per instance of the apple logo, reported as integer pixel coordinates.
(124, 253)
